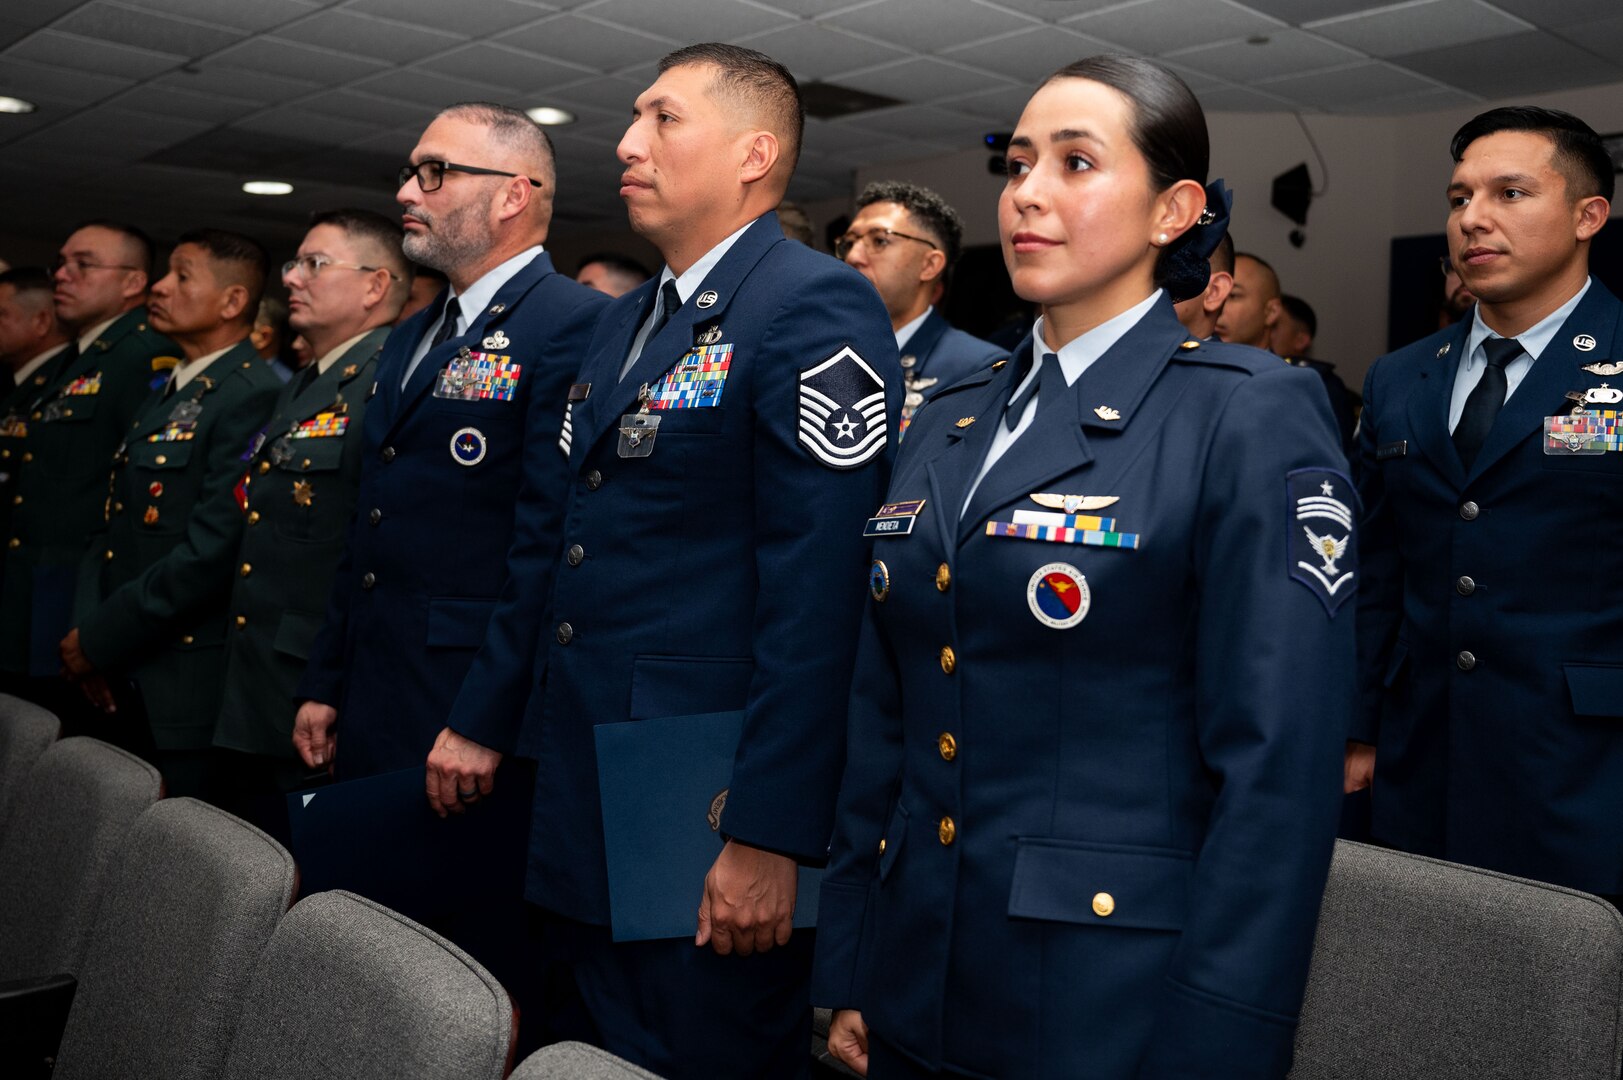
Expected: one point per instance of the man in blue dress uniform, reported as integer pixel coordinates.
(726, 439)
(1492, 607)
(905, 239)
(466, 392)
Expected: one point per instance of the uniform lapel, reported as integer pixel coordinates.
(923, 342)
(602, 367)
(954, 468)
(398, 353)
(675, 338)
(1543, 391)
(1429, 404)
(324, 389)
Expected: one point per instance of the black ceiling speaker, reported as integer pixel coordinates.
(1293, 191)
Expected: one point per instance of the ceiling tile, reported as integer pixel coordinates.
(285, 59)
(1287, 52)
(15, 127)
(923, 122)
(80, 53)
(597, 45)
(902, 150)
(1438, 97)
(1240, 99)
(1297, 12)
(300, 123)
(108, 22)
(478, 19)
(256, 86)
(1340, 88)
(427, 88)
(11, 32)
(1002, 106)
(372, 109)
(811, 8)
(1558, 12)
(1511, 66)
(23, 79)
(40, 12)
(604, 95)
(367, 36)
(1408, 28)
(1602, 36)
(815, 51)
(255, 15)
(172, 101)
(929, 25)
(921, 80)
(1029, 55)
(1158, 27)
(118, 135)
(508, 68)
(730, 18)
(1049, 11)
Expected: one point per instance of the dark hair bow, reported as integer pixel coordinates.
(1185, 266)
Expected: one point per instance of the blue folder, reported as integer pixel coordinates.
(661, 783)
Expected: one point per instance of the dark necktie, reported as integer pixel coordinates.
(1485, 400)
(1046, 388)
(311, 371)
(669, 301)
(453, 312)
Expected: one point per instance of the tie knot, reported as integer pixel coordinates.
(669, 299)
(1501, 351)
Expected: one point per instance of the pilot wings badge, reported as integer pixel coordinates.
(1073, 504)
(1322, 553)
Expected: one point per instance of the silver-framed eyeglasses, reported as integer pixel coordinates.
(77, 266)
(311, 266)
(877, 240)
(431, 174)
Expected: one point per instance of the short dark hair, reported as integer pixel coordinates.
(1167, 124)
(757, 80)
(930, 210)
(383, 233)
(1223, 258)
(1264, 263)
(512, 127)
(1579, 153)
(25, 279)
(620, 264)
(1302, 312)
(242, 254)
(139, 240)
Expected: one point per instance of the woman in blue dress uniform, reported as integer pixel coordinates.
(1107, 668)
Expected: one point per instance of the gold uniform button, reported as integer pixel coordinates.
(28, 455)
(5, 453)
(247, 569)
(16, 500)
(264, 467)
(160, 460)
(305, 464)
(108, 555)
(14, 542)
(37, 415)
(947, 745)
(947, 831)
(1103, 904)
(949, 660)
(881, 846)
(242, 620)
(253, 517)
(943, 577)
(186, 639)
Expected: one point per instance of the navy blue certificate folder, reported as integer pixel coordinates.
(376, 836)
(662, 784)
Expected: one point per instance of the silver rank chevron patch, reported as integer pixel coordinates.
(842, 411)
(1321, 547)
(566, 437)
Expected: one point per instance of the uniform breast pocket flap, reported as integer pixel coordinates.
(1100, 884)
(315, 456)
(161, 455)
(689, 421)
(1597, 689)
(689, 685)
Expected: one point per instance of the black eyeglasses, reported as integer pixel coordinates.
(877, 240)
(431, 174)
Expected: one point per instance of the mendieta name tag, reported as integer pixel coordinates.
(894, 519)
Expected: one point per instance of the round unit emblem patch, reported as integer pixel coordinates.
(468, 446)
(1058, 595)
(879, 580)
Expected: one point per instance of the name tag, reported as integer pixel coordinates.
(894, 519)
(1392, 450)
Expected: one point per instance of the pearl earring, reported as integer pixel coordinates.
(1161, 239)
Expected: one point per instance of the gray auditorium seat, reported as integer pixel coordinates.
(347, 988)
(69, 823)
(1427, 969)
(577, 1061)
(185, 917)
(25, 731)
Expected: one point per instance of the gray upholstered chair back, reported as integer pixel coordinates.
(69, 823)
(189, 908)
(577, 1061)
(25, 731)
(348, 988)
(1431, 970)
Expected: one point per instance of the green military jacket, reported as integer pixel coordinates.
(153, 591)
(59, 475)
(15, 404)
(302, 481)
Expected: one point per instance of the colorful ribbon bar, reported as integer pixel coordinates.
(1061, 534)
(1065, 521)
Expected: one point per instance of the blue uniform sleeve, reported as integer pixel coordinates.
(1380, 594)
(1274, 675)
(323, 679)
(810, 560)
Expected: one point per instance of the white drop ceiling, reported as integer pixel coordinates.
(157, 110)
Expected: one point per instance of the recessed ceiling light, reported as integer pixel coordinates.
(268, 187)
(15, 105)
(550, 117)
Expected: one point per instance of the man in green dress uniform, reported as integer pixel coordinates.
(33, 348)
(148, 642)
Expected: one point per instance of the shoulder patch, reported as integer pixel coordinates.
(1321, 545)
(842, 411)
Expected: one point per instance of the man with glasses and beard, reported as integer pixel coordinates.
(63, 435)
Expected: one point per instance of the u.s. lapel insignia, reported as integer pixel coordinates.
(1105, 412)
(497, 309)
(709, 337)
(1073, 504)
(708, 298)
(1604, 369)
(350, 370)
(303, 492)
(1584, 343)
(1444, 350)
(498, 340)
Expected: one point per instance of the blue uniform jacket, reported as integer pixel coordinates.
(715, 574)
(938, 355)
(1098, 850)
(427, 549)
(1491, 619)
